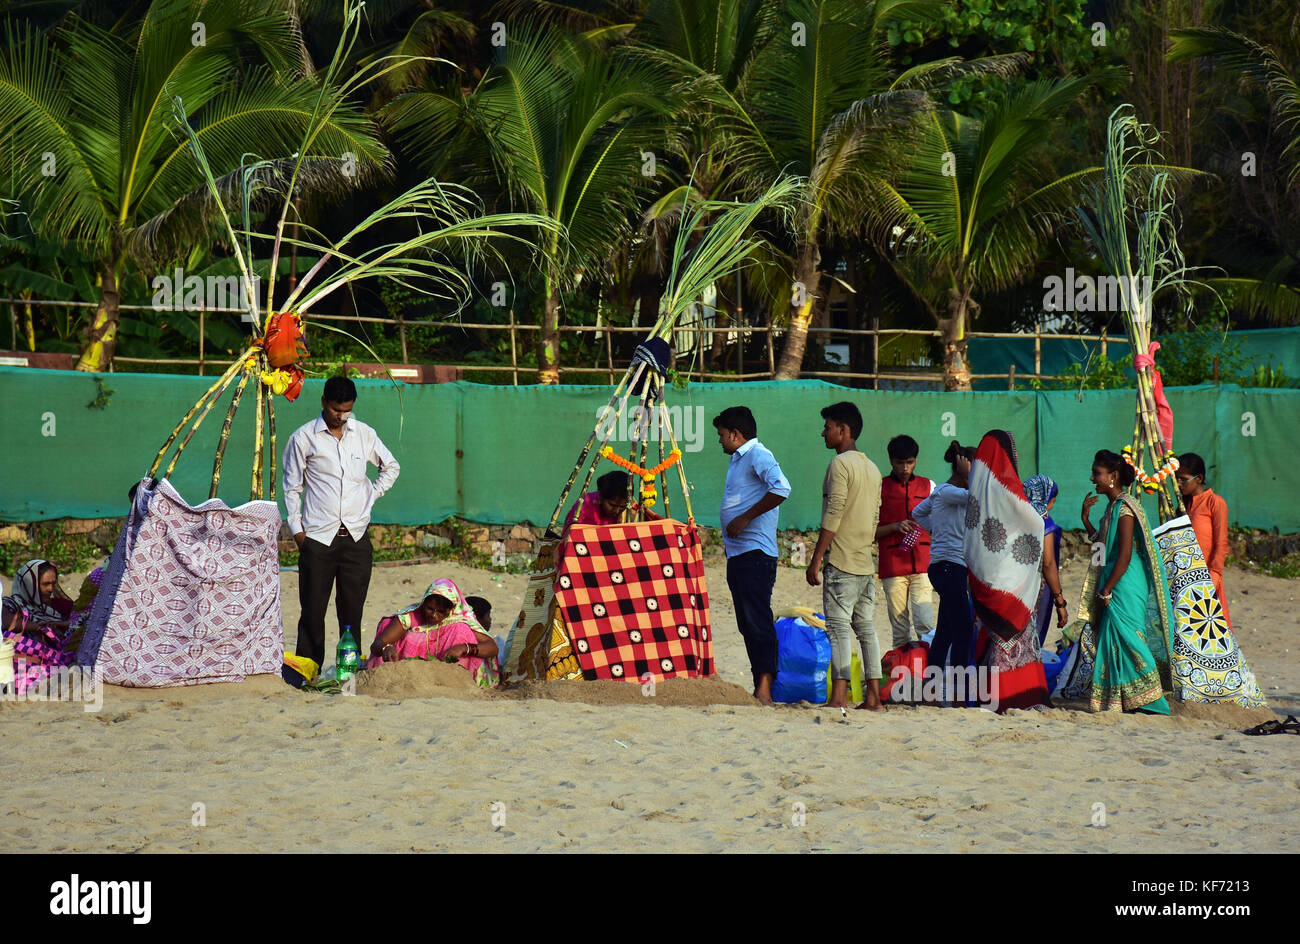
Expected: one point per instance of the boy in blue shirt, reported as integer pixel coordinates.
(754, 488)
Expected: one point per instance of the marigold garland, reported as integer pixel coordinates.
(609, 453)
(648, 493)
(1152, 482)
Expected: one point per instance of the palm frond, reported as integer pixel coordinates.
(723, 248)
(1256, 63)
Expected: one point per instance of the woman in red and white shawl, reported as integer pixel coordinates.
(1004, 554)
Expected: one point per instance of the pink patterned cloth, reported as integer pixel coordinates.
(191, 594)
(417, 642)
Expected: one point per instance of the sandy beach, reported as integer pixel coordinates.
(420, 760)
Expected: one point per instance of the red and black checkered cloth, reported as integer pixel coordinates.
(634, 601)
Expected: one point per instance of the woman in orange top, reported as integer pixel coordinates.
(1209, 514)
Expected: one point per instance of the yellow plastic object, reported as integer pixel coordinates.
(305, 667)
(855, 680)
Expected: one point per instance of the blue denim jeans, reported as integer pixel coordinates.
(849, 602)
(955, 633)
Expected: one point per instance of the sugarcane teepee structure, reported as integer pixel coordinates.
(191, 593)
(629, 600)
(1207, 664)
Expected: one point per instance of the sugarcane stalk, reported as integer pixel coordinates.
(270, 433)
(638, 444)
(220, 381)
(635, 374)
(681, 471)
(663, 478)
(207, 408)
(255, 490)
(225, 434)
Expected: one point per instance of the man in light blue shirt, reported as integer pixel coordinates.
(755, 487)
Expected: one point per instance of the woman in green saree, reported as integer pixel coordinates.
(1125, 623)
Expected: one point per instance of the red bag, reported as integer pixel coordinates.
(904, 671)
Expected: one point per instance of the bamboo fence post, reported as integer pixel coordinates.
(514, 358)
(609, 351)
(202, 314)
(401, 333)
(771, 353)
(225, 434)
(875, 353)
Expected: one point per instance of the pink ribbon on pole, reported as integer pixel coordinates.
(1164, 412)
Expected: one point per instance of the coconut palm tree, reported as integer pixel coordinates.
(822, 99)
(566, 126)
(976, 202)
(88, 110)
(1261, 65)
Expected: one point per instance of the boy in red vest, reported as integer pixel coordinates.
(908, 593)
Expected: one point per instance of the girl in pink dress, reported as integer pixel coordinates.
(441, 626)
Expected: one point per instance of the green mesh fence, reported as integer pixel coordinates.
(501, 454)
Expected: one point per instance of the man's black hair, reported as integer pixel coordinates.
(846, 413)
(903, 447)
(738, 418)
(340, 390)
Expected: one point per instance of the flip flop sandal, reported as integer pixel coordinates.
(1289, 726)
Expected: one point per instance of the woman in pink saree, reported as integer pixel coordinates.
(441, 626)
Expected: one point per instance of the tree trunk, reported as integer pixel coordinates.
(101, 336)
(956, 366)
(807, 278)
(29, 326)
(548, 355)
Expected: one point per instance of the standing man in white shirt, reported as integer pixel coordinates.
(327, 459)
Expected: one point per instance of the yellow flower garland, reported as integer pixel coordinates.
(1152, 482)
(648, 493)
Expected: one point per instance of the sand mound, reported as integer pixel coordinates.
(1222, 716)
(679, 692)
(416, 678)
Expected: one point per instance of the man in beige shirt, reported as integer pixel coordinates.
(850, 511)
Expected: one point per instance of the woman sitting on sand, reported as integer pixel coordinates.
(36, 616)
(441, 626)
(1121, 660)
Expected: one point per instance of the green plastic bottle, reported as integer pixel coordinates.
(348, 655)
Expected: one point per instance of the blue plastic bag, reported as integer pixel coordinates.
(803, 662)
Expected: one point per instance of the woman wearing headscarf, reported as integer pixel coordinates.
(1041, 492)
(441, 626)
(1004, 555)
(36, 616)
